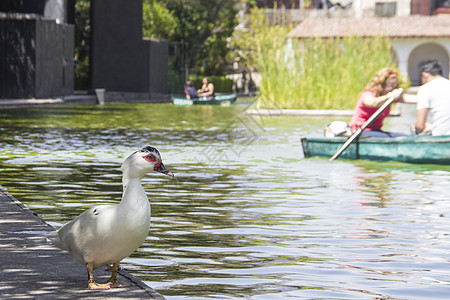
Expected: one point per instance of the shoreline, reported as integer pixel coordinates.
(117, 97)
(85, 98)
(34, 268)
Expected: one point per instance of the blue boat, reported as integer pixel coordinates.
(411, 149)
(221, 99)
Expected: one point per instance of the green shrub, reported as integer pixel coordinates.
(320, 73)
(315, 73)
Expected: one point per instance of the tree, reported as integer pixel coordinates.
(204, 26)
(158, 21)
(82, 31)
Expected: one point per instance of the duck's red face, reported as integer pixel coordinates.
(150, 157)
(158, 165)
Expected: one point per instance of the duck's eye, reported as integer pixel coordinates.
(150, 158)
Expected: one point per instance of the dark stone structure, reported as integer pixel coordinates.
(121, 60)
(36, 57)
(36, 48)
(63, 10)
(158, 66)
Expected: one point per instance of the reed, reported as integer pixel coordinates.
(316, 73)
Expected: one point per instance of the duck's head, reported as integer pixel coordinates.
(144, 161)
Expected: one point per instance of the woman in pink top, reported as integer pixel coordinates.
(380, 88)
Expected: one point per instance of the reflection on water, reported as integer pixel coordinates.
(246, 216)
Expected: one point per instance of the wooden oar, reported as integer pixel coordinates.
(364, 126)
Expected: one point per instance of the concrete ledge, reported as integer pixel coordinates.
(72, 99)
(109, 97)
(306, 112)
(125, 97)
(30, 101)
(32, 268)
(298, 112)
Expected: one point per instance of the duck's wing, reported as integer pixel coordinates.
(86, 232)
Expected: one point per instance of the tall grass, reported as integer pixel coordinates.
(316, 73)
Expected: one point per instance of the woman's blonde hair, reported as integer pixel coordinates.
(377, 83)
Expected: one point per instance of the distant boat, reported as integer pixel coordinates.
(410, 149)
(221, 99)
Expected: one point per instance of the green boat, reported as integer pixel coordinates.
(221, 99)
(410, 149)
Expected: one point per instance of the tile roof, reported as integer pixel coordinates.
(410, 26)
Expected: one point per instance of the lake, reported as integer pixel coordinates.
(246, 215)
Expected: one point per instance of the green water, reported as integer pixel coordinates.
(246, 216)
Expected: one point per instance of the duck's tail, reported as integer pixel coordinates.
(53, 238)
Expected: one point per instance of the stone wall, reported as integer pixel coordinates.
(36, 57)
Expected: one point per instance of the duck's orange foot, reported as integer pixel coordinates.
(118, 284)
(99, 286)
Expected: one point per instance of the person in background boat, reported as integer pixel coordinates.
(190, 91)
(207, 88)
(433, 96)
(380, 88)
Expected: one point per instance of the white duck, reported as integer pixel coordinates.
(106, 234)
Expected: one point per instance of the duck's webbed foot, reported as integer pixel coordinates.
(114, 283)
(99, 286)
(118, 284)
(92, 285)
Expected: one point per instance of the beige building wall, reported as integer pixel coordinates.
(366, 8)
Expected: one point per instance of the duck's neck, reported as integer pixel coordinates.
(134, 209)
(133, 192)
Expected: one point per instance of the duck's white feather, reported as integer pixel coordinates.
(106, 234)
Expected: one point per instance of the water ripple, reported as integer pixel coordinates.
(245, 216)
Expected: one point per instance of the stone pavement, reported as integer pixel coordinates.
(32, 268)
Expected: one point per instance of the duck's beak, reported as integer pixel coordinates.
(162, 169)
